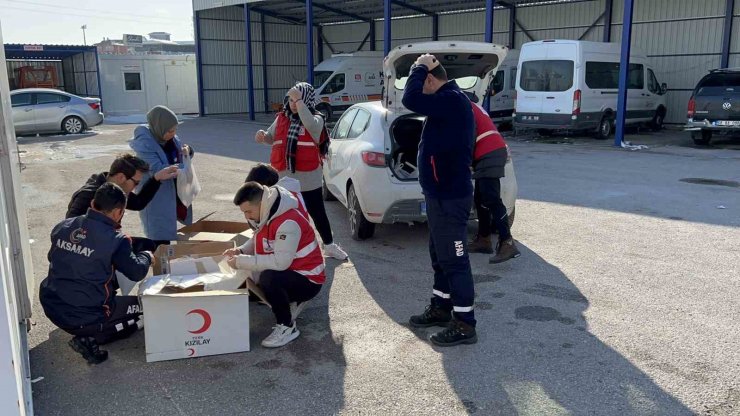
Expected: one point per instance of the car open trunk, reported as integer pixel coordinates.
(405, 133)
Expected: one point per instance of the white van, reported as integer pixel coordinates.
(573, 85)
(348, 78)
(503, 89)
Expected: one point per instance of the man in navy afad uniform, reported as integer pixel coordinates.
(445, 157)
(79, 293)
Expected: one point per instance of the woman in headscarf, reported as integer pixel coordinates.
(294, 137)
(158, 145)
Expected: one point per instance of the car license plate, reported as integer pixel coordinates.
(423, 207)
(532, 118)
(728, 123)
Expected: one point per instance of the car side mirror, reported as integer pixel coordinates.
(663, 88)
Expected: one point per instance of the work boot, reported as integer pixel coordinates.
(506, 250)
(89, 349)
(481, 245)
(432, 316)
(456, 333)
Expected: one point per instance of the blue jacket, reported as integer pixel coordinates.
(85, 253)
(447, 139)
(159, 217)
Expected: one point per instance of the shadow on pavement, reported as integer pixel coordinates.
(535, 354)
(285, 380)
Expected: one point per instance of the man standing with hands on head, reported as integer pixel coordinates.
(445, 157)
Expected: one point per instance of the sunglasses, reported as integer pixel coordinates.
(136, 183)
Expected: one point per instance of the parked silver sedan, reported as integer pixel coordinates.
(42, 110)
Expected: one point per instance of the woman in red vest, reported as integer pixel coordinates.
(284, 257)
(294, 137)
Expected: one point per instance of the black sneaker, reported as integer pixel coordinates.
(456, 333)
(432, 316)
(89, 349)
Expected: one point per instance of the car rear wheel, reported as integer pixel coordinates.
(73, 125)
(702, 138)
(361, 228)
(657, 123)
(605, 128)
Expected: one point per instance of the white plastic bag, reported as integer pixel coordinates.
(188, 186)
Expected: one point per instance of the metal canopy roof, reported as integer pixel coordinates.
(339, 11)
(44, 52)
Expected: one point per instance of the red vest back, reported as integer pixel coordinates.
(487, 137)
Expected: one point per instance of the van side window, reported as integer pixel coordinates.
(636, 78)
(342, 128)
(546, 75)
(498, 83)
(336, 84)
(602, 75)
(605, 75)
(653, 85)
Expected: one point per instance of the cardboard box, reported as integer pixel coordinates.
(217, 231)
(165, 253)
(220, 231)
(196, 310)
(195, 324)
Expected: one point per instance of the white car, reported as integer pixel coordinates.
(371, 165)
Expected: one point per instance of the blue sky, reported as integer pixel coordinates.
(59, 21)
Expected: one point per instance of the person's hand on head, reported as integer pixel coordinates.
(294, 94)
(170, 172)
(430, 61)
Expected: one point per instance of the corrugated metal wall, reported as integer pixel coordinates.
(682, 38)
(223, 60)
(12, 66)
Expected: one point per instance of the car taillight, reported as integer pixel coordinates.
(692, 107)
(94, 106)
(576, 102)
(374, 159)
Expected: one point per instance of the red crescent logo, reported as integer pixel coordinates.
(191, 352)
(206, 321)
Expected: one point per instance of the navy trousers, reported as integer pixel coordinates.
(453, 280)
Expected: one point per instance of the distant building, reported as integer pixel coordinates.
(157, 43)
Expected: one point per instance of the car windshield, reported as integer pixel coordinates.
(320, 77)
(464, 83)
(719, 84)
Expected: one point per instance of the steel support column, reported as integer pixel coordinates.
(250, 68)
(309, 40)
(386, 27)
(435, 27)
(320, 43)
(624, 67)
(727, 35)
(608, 21)
(265, 90)
(488, 37)
(199, 64)
(372, 35)
(512, 26)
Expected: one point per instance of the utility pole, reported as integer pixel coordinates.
(84, 37)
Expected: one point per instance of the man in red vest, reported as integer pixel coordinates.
(489, 161)
(284, 254)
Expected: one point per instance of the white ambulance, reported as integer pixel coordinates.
(348, 78)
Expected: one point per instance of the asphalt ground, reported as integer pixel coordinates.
(624, 302)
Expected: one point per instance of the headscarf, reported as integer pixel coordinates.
(308, 94)
(160, 119)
